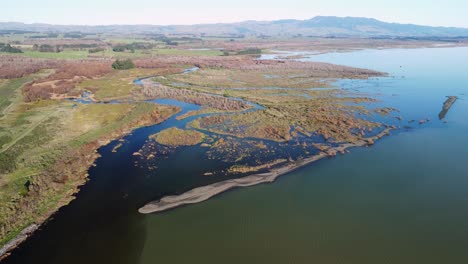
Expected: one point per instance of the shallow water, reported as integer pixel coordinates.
(404, 200)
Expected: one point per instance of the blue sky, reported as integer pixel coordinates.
(93, 12)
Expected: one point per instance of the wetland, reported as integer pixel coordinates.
(119, 147)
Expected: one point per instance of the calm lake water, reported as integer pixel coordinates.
(404, 200)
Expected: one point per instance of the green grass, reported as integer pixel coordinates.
(83, 54)
(8, 90)
(178, 137)
(12, 37)
(186, 52)
(98, 118)
(129, 40)
(45, 204)
(116, 85)
(164, 51)
(60, 130)
(105, 119)
(66, 54)
(112, 54)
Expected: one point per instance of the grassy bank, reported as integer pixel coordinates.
(48, 146)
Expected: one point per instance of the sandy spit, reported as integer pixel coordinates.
(204, 193)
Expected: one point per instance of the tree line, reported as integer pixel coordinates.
(132, 47)
(8, 48)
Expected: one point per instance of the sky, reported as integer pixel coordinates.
(178, 12)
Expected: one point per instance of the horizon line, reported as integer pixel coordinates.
(217, 23)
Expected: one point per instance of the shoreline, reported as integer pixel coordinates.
(20, 238)
(70, 195)
(201, 194)
(195, 196)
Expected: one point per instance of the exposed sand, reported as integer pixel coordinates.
(204, 193)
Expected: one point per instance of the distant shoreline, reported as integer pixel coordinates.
(204, 193)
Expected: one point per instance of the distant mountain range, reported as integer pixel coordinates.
(321, 26)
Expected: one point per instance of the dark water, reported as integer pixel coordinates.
(405, 200)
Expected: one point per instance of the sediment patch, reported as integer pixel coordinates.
(447, 105)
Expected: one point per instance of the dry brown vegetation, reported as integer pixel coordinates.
(289, 98)
(158, 90)
(18, 66)
(332, 119)
(63, 41)
(67, 74)
(247, 63)
(65, 78)
(203, 110)
(245, 169)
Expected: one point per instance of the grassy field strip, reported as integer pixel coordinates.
(3, 181)
(25, 133)
(6, 110)
(14, 100)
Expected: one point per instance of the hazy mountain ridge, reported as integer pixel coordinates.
(317, 26)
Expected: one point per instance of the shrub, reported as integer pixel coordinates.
(46, 48)
(123, 64)
(8, 48)
(249, 51)
(133, 46)
(95, 50)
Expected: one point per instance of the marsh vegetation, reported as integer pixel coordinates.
(65, 97)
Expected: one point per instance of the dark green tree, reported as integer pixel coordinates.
(123, 64)
(8, 48)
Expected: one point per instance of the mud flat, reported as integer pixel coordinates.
(447, 105)
(204, 193)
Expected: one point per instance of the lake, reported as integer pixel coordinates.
(404, 200)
